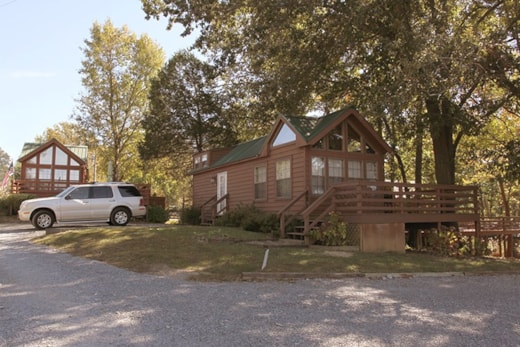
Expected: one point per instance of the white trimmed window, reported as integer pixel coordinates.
(336, 171)
(283, 178)
(318, 175)
(260, 183)
(354, 169)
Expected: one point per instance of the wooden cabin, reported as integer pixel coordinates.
(308, 167)
(49, 168)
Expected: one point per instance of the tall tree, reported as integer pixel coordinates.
(411, 63)
(66, 132)
(116, 74)
(5, 161)
(186, 112)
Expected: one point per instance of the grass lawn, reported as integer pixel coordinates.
(223, 254)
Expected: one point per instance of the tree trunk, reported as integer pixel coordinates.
(503, 195)
(440, 114)
(418, 150)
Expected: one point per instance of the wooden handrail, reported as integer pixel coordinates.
(282, 214)
(212, 203)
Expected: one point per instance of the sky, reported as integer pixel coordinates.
(40, 56)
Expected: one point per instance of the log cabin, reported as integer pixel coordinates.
(49, 168)
(309, 167)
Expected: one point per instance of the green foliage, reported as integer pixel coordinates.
(336, 233)
(250, 218)
(157, 214)
(186, 114)
(190, 215)
(10, 204)
(437, 68)
(116, 74)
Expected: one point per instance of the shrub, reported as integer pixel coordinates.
(234, 218)
(260, 222)
(336, 232)
(190, 215)
(10, 204)
(249, 218)
(157, 214)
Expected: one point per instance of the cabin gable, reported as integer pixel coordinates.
(47, 169)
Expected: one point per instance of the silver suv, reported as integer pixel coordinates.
(114, 203)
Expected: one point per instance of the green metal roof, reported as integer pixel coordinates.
(306, 127)
(242, 151)
(309, 127)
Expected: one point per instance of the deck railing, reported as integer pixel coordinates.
(367, 202)
(39, 188)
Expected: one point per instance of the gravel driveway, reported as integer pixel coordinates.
(49, 298)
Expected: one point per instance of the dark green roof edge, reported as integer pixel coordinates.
(242, 151)
(309, 127)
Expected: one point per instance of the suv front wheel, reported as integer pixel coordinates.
(42, 219)
(120, 216)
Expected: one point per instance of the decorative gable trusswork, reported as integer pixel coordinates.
(47, 169)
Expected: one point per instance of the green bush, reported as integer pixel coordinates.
(336, 233)
(157, 214)
(234, 218)
(250, 218)
(260, 222)
(190, 215)
(10, 204)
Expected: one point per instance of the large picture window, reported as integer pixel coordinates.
(260, 183)
(283, 178)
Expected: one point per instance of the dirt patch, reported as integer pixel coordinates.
(342, 254)
(278, 243)
(165, 271)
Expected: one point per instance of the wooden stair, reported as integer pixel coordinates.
(300, 234)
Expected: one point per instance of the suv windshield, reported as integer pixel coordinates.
(65, 192)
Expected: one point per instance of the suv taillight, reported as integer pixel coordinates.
(141, 202)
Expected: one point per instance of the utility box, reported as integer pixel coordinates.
(387, 237)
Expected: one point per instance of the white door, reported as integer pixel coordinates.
(75, 206)
(221, 191)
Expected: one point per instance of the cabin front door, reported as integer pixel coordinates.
(221, 191)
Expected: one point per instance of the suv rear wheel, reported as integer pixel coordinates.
(42, 219)
(120, 216)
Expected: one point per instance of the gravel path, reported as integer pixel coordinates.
(49, 298)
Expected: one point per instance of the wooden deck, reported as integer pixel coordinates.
(365, 202)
